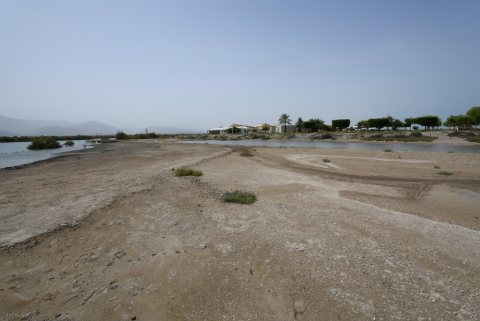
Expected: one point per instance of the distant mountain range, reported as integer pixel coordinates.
(16, 127)
(24, 127)
(170, 130)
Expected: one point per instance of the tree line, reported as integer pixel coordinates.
(467, 121)
(313, 124)
(428, 122)
(470, 119)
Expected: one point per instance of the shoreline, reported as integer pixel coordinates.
(50, 157)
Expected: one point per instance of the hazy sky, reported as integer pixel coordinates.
(199, 64)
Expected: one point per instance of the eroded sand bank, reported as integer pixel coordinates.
(366, 236)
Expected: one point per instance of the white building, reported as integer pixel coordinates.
(267, 128)
(218, 130)
(238, 129)
(289, 129)
(245, 129)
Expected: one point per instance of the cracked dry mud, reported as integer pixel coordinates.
(112, 234)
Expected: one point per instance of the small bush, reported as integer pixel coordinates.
(415, 134)
(121, 135)
(326, 136)
(436, 167)
(388, 150)
(245, 152)
(187, 171)
(69, 143)
(322, 136)
(473, 139)
(240, 197)
(326, 160)
(445, 173)
(461, 134)
(414, 137)
(43, 142)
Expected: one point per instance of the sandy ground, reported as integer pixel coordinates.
(112, 234)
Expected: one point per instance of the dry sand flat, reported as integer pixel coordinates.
(366, 239)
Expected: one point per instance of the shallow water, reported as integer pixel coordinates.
(14, 154)
(410, 147)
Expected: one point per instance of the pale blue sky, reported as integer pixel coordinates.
(199, 64)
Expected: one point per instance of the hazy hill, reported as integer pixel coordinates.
(169, 130)
(16, 127)
(93, 127)
(12, 126)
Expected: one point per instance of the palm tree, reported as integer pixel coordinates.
(299, 124)
(285, 120)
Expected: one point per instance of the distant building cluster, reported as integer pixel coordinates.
(246, 129)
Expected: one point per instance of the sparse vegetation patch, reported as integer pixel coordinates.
(445, 173)
(69, 143)
(413, 137)
(475, 139)
(326, 160)
(322, 136)
(461, 134)
(416, 133)
(187, 171)
(43, 142)
(240, 197)
(245, 152)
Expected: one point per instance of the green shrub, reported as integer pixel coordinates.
(245, 152)
(436, 167)
(445, 173)
(149, 136)
(415, 134)
(387, 150)
(461, 134)
(322, 136)
(241, 197)
(473, 139)
(326, 136)
(187, 171)
(121, 135)
(326, 160)
(414, 137)
(69, 143)
(43, 142)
